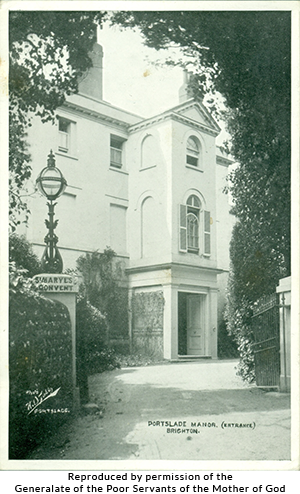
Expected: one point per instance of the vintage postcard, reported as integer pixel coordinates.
(153, 219)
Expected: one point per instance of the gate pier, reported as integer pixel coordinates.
(284, 291)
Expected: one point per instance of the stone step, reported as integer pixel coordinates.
(191, 358)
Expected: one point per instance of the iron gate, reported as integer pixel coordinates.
(266, 346)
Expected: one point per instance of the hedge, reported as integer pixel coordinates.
(40, 363)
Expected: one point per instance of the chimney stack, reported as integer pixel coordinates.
(91, 83)
(185, 91)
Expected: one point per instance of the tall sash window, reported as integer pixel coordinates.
(192, 151)
(194, 227)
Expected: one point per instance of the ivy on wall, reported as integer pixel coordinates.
(148, 311)
(148, 322)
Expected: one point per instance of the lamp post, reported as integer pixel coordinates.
(51, 183)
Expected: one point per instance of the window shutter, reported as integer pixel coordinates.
(207, 250)
(182, 228)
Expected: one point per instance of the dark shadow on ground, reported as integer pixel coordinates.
(168, 401)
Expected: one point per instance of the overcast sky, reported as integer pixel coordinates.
(131, 81)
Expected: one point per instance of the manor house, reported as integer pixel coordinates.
(152, 190)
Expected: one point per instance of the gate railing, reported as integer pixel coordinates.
(265, 326)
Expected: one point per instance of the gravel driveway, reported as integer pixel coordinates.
(176, 411)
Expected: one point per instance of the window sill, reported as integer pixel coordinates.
(147, 168)
(66, 155)
(196, 168)
(194, 253)
(118, 170)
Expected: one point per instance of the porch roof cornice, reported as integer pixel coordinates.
(144, 124)
(170, 265)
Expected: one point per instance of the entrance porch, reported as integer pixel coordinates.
(174, 312)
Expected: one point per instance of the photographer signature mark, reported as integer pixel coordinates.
(38, 400)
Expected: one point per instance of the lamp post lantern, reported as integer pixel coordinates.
(51, 183)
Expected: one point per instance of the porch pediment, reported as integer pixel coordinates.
(190, 112)
(196, 111)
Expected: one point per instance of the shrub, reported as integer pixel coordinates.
(238, 316)
(103, 275)
(91, 329)
(21, 253)
(227, 347)
(19, 281)
(254, 272)
(246, 367)
(92, 354)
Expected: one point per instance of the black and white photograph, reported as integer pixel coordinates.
(152, 205)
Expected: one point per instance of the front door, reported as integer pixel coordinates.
(195, 324)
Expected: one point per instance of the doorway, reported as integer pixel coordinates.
(191, 324)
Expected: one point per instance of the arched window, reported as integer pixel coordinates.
(192, 232)
(193, 202)
(192, 236)
(193, 151)
(193, 212)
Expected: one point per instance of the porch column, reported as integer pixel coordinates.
(213, 322)
(170, 322)
(130, 325)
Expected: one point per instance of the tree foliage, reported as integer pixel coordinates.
(48, 53)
